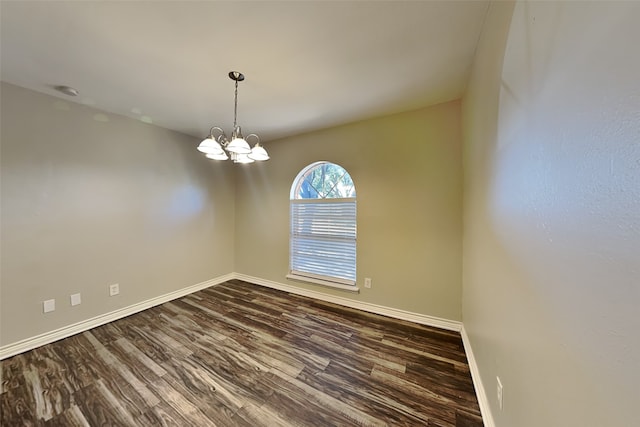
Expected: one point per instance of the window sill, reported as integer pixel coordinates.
(349, 288)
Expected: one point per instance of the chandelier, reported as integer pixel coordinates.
(237, 147)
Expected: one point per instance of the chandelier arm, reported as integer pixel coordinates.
(221, 138)
(215, 128)
(250, 135)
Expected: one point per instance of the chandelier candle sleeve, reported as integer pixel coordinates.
(217, 145)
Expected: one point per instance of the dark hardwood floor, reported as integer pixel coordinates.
(242, 355)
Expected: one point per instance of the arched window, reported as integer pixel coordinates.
(322, 241)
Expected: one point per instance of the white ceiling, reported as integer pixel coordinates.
(308, 64)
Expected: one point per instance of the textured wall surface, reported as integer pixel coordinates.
(91, 199)
(407, 172)
(552, 212)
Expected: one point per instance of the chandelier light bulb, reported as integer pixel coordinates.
(210, 146)
(241, 158)
(258, 153)
(218, 156)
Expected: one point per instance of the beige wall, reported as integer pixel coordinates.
(552, 212)
(407, 172)
(87, 203)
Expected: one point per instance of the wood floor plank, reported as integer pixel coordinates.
(240, 355)
(360, 392)
(163, 415)
(100, 407)
(71, 417)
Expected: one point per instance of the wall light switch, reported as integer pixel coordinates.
(367, 282)
(75, 299)
(49, 305)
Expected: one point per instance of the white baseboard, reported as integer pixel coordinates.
(422, 319)
(67, 331)
(481, 393)
(452, 325)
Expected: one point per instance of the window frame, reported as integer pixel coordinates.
(346, 284)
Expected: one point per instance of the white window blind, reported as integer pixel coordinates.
(323, 239)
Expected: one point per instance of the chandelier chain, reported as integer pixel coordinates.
(235, 108)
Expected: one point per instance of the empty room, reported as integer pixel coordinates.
(320, 213)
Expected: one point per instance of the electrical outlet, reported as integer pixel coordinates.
(76, 299)
(367, 282)
(114, 289)
(499, 391)
(49, 305)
